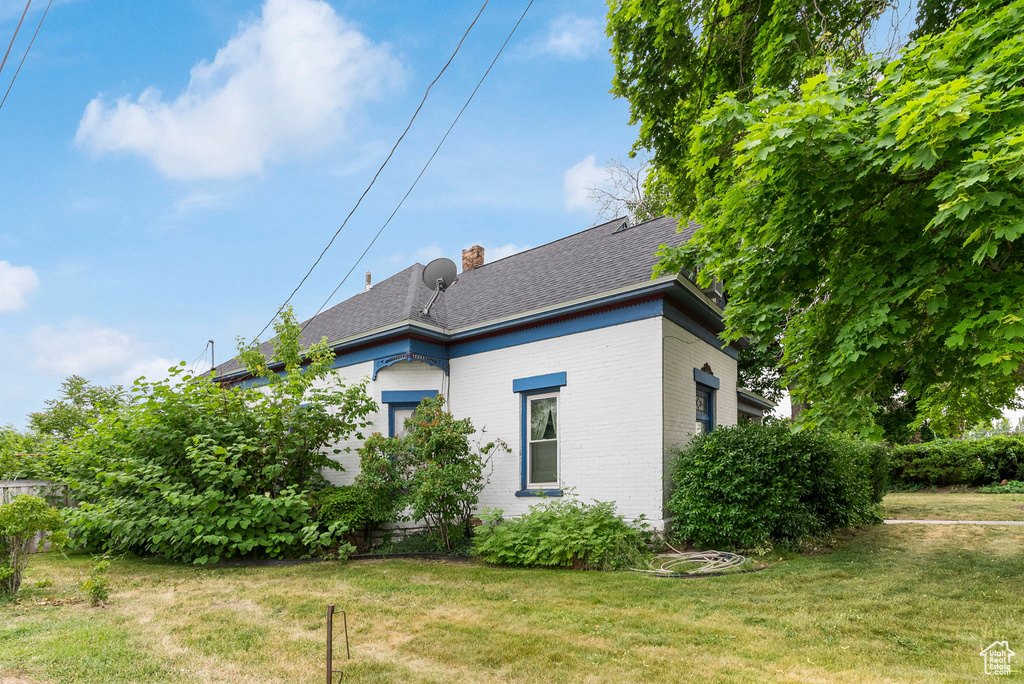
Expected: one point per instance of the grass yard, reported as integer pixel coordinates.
(950, 506)
(889, 604)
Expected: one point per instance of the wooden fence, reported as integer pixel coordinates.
(56, 495)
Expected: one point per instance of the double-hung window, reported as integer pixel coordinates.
(541, 432)
(542, 441)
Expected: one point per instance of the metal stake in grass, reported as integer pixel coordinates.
(330, 644)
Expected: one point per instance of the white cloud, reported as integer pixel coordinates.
(569, 37)
(83, 347)
(284, 83)
(198, 201)
(577, 181)
(16, 283)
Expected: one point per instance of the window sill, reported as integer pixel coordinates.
(539, 492)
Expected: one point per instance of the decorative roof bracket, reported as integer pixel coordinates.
(409, 356)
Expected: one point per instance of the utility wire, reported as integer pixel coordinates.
(379, 170)
(18, 28)
(423, 170)
(202, 354)
(22, 62)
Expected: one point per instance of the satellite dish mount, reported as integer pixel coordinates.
(438, 276)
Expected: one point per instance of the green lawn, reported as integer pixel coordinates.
(888, 604)
(946, 506)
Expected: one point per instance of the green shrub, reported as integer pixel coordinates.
(96, 585)
(939, 463)
(23, 456)
(434, 470)
(189, 470)
(425, 542)
(750, 486)
(1011, 487)
(876, 456)
(964, 462)
(563, 533)
(20, 521)
(1003, 457)
(356, 509)
(353, 506)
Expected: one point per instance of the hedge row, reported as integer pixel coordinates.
(959, 462)
(751, 486)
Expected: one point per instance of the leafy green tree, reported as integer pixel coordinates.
(79, 402)
(674, 59)
(758, 369)
(191, 470)
(869, 220)
(433, 471)
(20, 521)
(22, 455)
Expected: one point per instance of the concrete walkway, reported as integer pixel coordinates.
(956, 522)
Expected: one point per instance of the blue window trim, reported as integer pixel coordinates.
(402, 399)
(706, 379)
(406, 396)
(548, 383)
(539, 492)
(527, 387)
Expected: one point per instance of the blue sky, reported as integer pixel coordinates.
(171, 169)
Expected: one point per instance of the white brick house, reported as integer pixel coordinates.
(587, 368)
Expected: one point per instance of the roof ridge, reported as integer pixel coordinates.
(548, 244)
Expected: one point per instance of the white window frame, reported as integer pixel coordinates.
(530, 484)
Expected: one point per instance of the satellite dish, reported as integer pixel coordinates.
(438, 275)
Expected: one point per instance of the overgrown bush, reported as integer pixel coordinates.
(97, 585)
(563, 533)
(1002, 456)
(23, 456)
(1011, 487)
(21, 520)
(964, 462)
(876, 456)
(358, 509)
(353, 506)
(433, 471)
(751, 486)
(424, 542)
(189, 470)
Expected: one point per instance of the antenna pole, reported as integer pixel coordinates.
(212, 362)
(433, 297)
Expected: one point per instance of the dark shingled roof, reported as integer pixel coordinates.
(584, 264)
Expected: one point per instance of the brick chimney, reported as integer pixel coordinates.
(472, 258)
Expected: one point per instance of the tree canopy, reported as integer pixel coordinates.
(866, 215)
(79, 402)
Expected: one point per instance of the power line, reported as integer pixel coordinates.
(18, 28)
(423, 170)
(202, 354)
(379, 170)
(22, 62)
